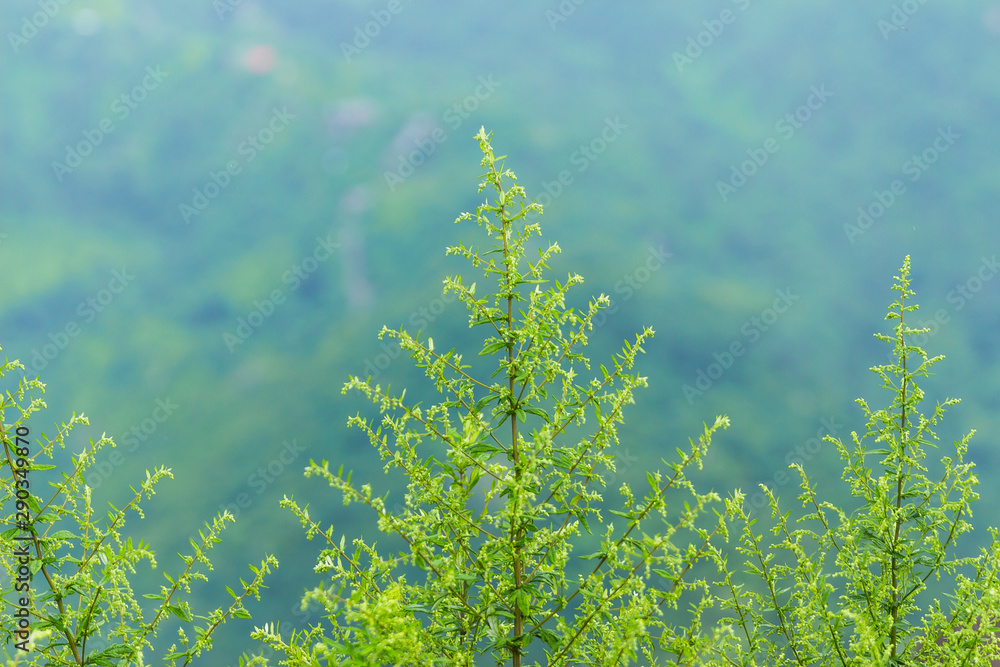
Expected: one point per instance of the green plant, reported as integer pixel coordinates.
(504, 479)
(496, 500)
(66, 587)
(499, 491)
(852, 589)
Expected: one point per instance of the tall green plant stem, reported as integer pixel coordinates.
(893, 644)
(851, 589)
(489, 526)
(516, 532)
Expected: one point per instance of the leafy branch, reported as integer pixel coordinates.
(86, 563)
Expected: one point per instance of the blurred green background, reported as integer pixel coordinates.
(219, 154)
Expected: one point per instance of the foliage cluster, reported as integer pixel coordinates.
(852, 588)
(506, 484)
(72, 564)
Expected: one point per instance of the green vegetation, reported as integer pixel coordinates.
(68, 570)
(501, 550)
(498, 490)
(852, 588)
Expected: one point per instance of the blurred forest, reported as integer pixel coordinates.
(208, 208)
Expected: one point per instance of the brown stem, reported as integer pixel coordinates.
(899, 485)
(517, 532)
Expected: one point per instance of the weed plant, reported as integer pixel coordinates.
(66, 592)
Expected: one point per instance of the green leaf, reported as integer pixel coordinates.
(538, 412)
(179, 612)
(492, 347)
(61, 535)
(523, 603)
(111, 656)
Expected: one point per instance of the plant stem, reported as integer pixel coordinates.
(517, 532)
(899, 480)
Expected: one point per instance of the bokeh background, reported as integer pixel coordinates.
(224, 201)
